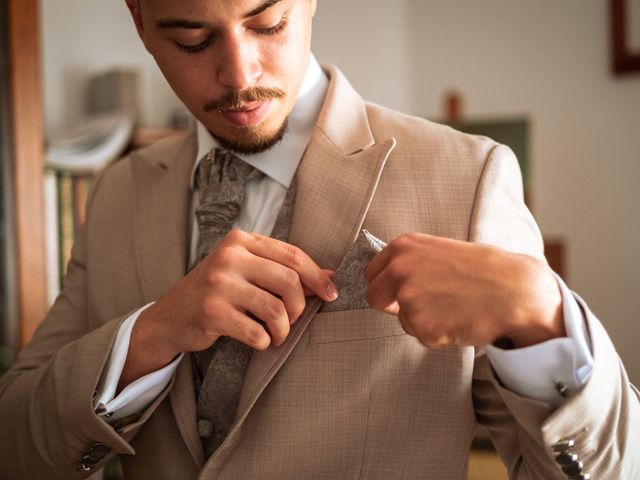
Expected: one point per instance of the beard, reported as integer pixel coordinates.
(250, 141)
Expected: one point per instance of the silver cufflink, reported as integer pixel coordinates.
(562, 389)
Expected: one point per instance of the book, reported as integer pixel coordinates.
(81, 187)
(66, 219)
(52, 242)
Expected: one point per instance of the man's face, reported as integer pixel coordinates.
(236, 64)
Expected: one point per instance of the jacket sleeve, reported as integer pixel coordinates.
(598, 428)
(46, 399)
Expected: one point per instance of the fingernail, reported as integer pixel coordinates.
(332, 292)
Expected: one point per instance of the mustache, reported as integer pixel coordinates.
(235, 99)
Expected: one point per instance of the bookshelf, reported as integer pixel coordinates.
(66, 187)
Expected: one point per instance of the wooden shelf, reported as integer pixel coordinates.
(27, 155)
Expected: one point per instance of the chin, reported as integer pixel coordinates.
(251, 140)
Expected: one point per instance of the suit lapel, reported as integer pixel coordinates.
(335, 192)
(336, 183)
(162, 177)
(161, 217)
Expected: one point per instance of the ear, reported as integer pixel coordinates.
(134, 8)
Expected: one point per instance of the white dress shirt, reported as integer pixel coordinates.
(550, 371)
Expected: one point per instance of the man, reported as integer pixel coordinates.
(316, 378)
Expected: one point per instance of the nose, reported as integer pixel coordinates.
(239, 66)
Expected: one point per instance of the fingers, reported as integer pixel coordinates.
(253, 276)
(392, 268)
(378, 264)
(393, 308)
(244, 329)
(311, 275)
(279, 281)
(406, 325)
(382, 292)
(268, 308)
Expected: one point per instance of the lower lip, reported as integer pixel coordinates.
(248, 118)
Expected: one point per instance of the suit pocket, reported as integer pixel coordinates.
(353, 325)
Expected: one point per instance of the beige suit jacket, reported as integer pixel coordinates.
(349, 395)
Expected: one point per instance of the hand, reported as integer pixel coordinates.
(246, 275)
(448, 292)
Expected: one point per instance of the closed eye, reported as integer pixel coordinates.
(198, 47)
(274, 29)
(194, 48)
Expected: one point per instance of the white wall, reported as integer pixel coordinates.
(547, 60)
(369, 41)
(84, 37)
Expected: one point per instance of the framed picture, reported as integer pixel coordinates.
(625, 35)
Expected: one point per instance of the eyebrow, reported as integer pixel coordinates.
(261, 8)
(180, 23)
(189, 24)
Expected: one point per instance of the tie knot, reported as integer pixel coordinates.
(223, 167)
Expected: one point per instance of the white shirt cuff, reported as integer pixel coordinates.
(553, 370)
(139, 394)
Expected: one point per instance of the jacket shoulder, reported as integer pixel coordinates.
(114, 187)
(416, 135)
(119, 174)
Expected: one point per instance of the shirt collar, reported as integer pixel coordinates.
(281, 161)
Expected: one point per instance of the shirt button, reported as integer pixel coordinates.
(205, 428)
(562, 389)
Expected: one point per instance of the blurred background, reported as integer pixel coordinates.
(544, 68)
